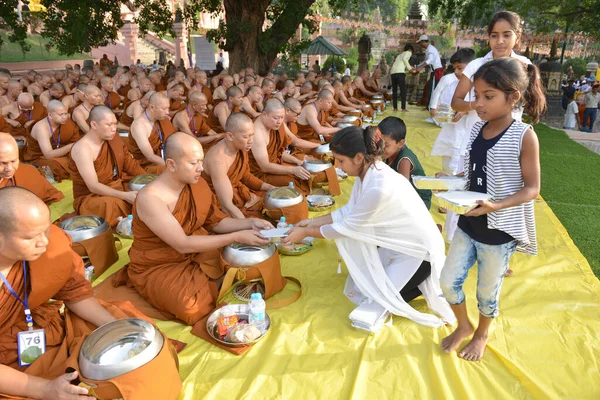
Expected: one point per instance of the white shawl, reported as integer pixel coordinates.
(384, 210)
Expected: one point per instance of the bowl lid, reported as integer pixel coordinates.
(82, 223)
(343, 125)
(143, 179)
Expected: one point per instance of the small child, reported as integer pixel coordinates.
(572, 114)
(490, 233)
(398, 156)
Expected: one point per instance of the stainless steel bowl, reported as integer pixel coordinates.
(124, 134)
(281, 197)
(376, 102)
(377, 97)
(274, 92)
(243, 255)
(323, 149)
(367, 106)
(350, 118)
(138, 182)
(84, 227)
(119, 347)
(242, 311)
(316, 165)
(343, 125)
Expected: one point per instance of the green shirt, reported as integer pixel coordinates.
(416, 169)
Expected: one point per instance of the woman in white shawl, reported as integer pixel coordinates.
(386, 236)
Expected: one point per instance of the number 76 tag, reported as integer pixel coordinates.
(31, 345)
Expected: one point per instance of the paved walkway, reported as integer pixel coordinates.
(18, 67)
(589, 140)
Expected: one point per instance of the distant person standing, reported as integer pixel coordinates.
(105, 62)
(399, 69)
(347, 72)
(316, 67)
(592, 99)
(432, 61)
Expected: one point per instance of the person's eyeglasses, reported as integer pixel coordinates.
(294, 112)
(25, 109)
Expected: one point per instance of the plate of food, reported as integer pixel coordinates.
(229, 325)
(319, 202)
(295, 249)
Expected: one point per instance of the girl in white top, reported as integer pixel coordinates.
(385, 235)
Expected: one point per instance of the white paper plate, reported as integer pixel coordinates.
(461, 202)
(275, 233)
(443, 183)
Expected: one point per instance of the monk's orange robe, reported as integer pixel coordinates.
(59, 275)
(280, 85)
(200, 128)
(126, 119)
(38, 113)
(176, 106)
(112, 163)
(161, 87)
(160, 132)
(66, 134)
(124, 90)
(278, 142)
(293, 127)
(307, 132)
(3, 125)
(29, 177)
(208, 94)
(213, 120)
(243, 183)
(112, 101)
(176, 283)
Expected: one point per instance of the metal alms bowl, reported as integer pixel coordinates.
(119, 347)
(138, 182)
(244, 255)
(377, 97)
(376, 102)
(316, 165)
(281, 197)
(343, 125)
(350, 118)
(323, 149)
(84, 227)
(242, 311)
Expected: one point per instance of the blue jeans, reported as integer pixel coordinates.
(589, 114)
(492, 263)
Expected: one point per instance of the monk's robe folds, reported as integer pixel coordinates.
(166, 127)
(30, 178)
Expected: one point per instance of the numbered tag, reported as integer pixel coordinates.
(322, 138)
(32, 344)
(115, 171)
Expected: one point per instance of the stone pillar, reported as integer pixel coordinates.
(299, 38)
(130, 32)
(180, 43)
(364, 53)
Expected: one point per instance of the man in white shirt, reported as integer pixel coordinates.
(592, 99)
(399, 69)
(432, 60)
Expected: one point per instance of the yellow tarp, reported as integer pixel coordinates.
(544, 345)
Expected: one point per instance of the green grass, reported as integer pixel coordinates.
(11, 52)
(570, 187)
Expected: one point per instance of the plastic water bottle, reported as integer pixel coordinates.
(48, 174)
(291, 185)
(257, 316)
(282, 223)
(124, 226)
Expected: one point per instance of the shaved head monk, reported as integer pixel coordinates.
(98, 163)
(191, 121)
(92, 96)
(33, 250)
(4, 79)
(71, 101)
(312, 121)
(227, 170)
(252, 104)
(134, 110)
(174, 261)
(201, 83)
(51, 140)
(220, 93)
(23, 114)
(56, 92)
(144, 86)
(176, 95)
(12, 173)
(111, 98)
(218, 117)
(70, 83)
(149, 133)
(14, 89)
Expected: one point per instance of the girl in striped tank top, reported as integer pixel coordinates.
(502, 159)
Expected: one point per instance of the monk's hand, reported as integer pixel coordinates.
(130, 196)
(301, 172)
(260, 224)
(14, 124)
(295, 235)
(251, 237)
(484, 207)
(61, 389)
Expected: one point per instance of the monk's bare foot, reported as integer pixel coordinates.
(508, 273)
(452, 341)
(474, 350)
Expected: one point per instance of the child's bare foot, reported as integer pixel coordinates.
(508, 273)
(442, 210)
(452, 341)
(474, 350)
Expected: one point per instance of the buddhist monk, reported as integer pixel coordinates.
(98, 163)
(156, 79)
(23, 114)
(201, 83)
(149, 132)
(71, 101)
(269, 160)
(174, 262)
(312, 121)
(218, 117)
(4, 79)
(176, 95)
(92, 96)
(111, 98)
(180, 79)
(12, 173)
(144, 86)
(360, 92)
(220, 93)
(340, 102)
(374, 84)
(252, 104)
(227, 171)
(123, 85)
(35, 251)
(51, 140)
(267, 87)
(311, 77)
(191, 121)
(134, 110)
(71, 82)
(288, 91)
(56, 92)
(306, 94)
(14, 89)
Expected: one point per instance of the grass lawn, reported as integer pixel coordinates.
(11, 52)
(570, 187)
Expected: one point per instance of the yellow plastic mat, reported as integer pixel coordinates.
(544, 345)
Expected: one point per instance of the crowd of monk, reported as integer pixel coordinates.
(219, 143)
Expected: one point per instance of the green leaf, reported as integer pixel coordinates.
(31, 354)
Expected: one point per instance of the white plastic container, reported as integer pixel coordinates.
(461, 202)
(442, 183)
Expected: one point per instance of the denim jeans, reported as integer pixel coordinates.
(589, 114)
(492, 263)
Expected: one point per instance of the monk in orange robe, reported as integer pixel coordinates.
(51, 140)
(98, 164)
(174, 261)
(156, 78)
(56, 92)
(218, 117)
(252, 104)
(227, 170)
(201, 83)
(111, 98)
(312, 121)
(149, 132)
(191, 121)
(134, 110)
(144, 86)
(3, 125)
(220, 92)
(14, 174)
(23, 114)
(176, 95)
(92, 96)
(38, 253)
